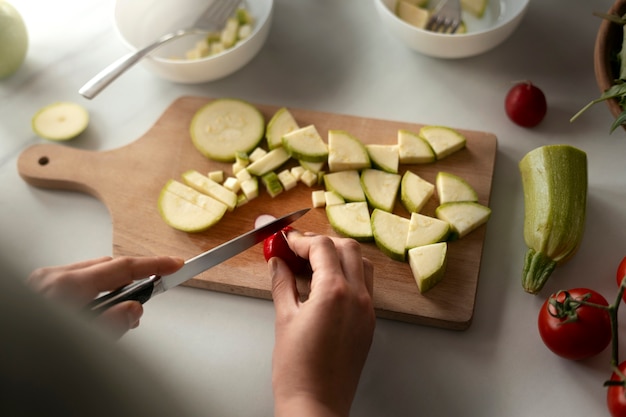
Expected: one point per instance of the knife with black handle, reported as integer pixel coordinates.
(145, 289)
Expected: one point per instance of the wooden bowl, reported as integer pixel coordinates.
(608, 43)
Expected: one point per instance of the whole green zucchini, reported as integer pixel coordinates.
(554, 178)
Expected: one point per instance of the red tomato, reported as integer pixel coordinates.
(526, 104)
(575, 331)
(621, 272)
(616, 395)
(277, 246)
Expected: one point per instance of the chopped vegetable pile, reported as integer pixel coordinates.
(237, 28)
(360, 189)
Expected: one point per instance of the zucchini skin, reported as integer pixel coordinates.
(554, 179)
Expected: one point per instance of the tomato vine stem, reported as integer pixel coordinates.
(613, 308)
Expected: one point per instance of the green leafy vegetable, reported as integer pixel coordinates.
(618, 90)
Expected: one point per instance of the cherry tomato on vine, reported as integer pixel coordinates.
(573, 330)
(277, 246)
(616, 395)
(621, 272)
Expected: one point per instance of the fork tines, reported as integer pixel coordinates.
(445, 17)
(443, 25)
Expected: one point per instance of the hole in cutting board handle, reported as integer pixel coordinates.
(43, 161)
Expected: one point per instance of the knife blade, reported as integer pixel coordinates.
(145, 289)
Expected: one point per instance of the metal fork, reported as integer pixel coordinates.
(213, 18)
(445, 17)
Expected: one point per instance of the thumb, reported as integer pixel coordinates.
(121, 317)
(284, 290)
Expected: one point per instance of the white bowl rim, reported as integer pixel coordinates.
(499, 22)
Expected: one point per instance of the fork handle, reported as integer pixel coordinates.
(105, 77)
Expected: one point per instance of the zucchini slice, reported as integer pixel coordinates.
(225, 127)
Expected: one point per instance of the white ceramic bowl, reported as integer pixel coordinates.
(500, 20)
(140, 22)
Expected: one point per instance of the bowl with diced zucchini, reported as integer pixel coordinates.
(485, 24)
(193, 58)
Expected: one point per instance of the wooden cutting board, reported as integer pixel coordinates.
(128, 181)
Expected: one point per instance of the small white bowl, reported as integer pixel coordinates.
(500, 20)
(140, 22)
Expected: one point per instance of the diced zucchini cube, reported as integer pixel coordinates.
(242, 199)
(217, 176)
(242, 175)
(242, 158)
(244, 16)
(272, 184)
(229, 34)
(309, 178)
(250, 188)
(318, 199)
(297, 172)
(257, 154)
(216, 48)
(238, 166)
(244, 31)
(232, 184)
(287, 179)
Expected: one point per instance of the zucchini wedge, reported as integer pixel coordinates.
(554, 179)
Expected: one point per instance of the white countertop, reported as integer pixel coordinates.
(215, 349)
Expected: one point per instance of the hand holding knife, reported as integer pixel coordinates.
(147, 288)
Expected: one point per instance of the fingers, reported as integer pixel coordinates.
(318, 249)
(41, 278)
(368, 269)
(83, 264)
(121, 317)
(284, 290)
(121, 271)
(333, 256)
(82, 281)
(351, 259)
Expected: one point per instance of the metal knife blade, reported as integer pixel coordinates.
(145, 289)
(219, 254)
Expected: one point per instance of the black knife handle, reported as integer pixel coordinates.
(137, 291)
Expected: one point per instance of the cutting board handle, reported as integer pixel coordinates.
(58, 167)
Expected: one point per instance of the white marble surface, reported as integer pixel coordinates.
(333, 56)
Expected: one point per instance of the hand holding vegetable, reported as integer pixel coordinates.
(321, 343)
(277, 246)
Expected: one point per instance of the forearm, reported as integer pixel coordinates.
(321, 343)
